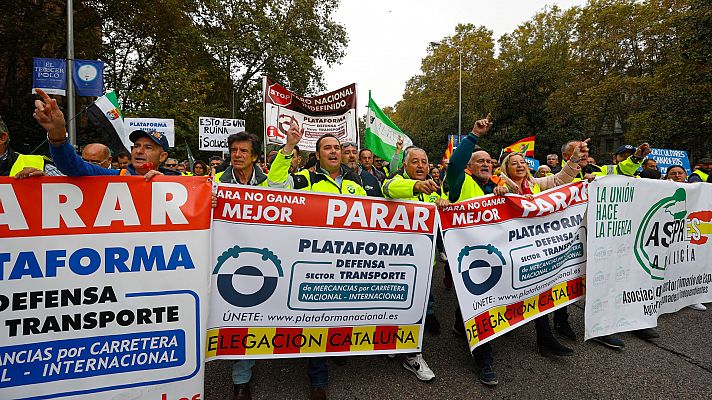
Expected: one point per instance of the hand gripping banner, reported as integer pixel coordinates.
(650, 251)
(300, 274)
(514, 259)
(104, 281)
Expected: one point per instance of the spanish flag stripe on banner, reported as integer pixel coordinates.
(499, 319)
(385, 331)
(525, 146)
(282, 345)
(259, 341)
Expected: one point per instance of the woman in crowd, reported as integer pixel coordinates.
(516, 175)
(200, 168)
(543, 171)
(678, 174)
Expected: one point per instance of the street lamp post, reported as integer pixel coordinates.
(459, 96)
(71, 124)
(459, 100)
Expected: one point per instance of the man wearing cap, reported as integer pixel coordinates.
(703, 173)
(627, 160)
(149, 151)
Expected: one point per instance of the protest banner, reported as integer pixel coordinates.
(301, 274)
(514, 259)
(163, 125)
(213, 132)
(650, 252)
(333, 112)
(104, 287)
(50, 75)
(666, 158)
(532, 162)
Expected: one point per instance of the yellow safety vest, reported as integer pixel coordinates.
(470, 188)
(701, 174)
(26, 161)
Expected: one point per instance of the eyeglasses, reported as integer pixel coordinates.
(95, 162)
(171, 165)
(348, 144)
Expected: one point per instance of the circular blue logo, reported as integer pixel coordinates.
(240, 269)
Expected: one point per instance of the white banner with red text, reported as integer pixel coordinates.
(514, 258)
(300, 274)
(104, 287)
(650, 251)
(330, 113)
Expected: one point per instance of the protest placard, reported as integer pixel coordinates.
(650, 252)
(213, 132)
(163, 125)
(514, 259)
(104, 281)
(299, 274)
(333, 113)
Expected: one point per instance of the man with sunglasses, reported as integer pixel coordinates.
(171, 163)
(97, 154)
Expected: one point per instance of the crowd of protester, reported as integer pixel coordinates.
(344, 168)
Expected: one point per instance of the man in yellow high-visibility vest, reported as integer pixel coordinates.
(13, 163)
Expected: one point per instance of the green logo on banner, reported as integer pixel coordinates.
(662, 234)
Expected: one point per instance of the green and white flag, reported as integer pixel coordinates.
(106, 116)
(381, 133)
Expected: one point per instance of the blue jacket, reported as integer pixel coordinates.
(68, 161)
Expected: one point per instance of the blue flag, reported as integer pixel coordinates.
(50, 75)
(88, 77)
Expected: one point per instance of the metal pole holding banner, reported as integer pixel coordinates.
(459, 101)
(71, 124)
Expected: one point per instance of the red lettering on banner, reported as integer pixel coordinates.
(108, 204)
(492, 209)
(267, 206)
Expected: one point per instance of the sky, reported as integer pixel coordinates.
(389, 38)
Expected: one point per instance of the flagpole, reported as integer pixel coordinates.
(264, 116)
(71, 125)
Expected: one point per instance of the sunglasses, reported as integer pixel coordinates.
(171, 165)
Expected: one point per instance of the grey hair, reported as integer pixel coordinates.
(566, 145)
(407, 152)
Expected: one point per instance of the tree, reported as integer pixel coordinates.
(429, 109)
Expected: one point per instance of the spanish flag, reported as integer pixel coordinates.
(450, 147)
(525, 146)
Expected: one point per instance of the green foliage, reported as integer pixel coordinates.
(429, 109)
(178, 59)
(619, 71)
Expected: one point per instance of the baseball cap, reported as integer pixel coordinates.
(625, 148)
(156, 136)
(705, 160)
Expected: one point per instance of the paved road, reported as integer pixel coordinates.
(678, 365)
